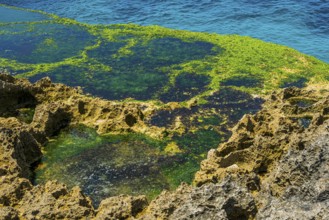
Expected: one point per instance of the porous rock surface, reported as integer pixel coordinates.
(274, 166)
(55, 106)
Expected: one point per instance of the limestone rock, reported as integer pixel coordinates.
(12, 189)
(274, 166)
(300, 184)
(8, 213)
(54, 201)
(211, 201)
(14, 96)
(50, 118)
(18, 148)
(121, 207)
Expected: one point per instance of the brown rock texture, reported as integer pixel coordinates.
(121, 207)
(55, 106)
(274, 166)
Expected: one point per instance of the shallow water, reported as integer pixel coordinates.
(111, 165)
(303, 25)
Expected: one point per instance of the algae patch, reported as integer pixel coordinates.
(108, 165)
(151, 62)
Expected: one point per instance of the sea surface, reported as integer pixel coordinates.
(301, 24)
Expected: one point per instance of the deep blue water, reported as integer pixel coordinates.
(301, 24)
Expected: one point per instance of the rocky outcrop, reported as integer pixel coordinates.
(54, 201)
(274, 166)
(55, 106)
(279, 155)
(121, 207)
(212, 201)
(14, 95)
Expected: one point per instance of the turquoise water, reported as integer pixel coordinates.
(303, 25)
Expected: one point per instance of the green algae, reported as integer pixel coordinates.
(176, 173)
(107, 165)
(43, 43)
(26, 115)
(198, 142)
(121, 61)
(249, 81)
(298, 82)
(134, 164)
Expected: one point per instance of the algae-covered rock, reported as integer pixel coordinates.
(152, 62)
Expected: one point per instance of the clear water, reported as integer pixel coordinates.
(301, 24)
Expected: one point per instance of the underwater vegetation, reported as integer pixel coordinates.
(147, 62)
(213, 78)
(110, 165)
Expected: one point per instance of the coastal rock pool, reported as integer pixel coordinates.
(111, 165)
(135, 164)
(199, 84)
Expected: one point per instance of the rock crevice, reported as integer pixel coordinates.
(274, 166)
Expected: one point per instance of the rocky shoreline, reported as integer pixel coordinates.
(274, 166)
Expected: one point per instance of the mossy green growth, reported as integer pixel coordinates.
(121, 61)
(176, 173)
(26, 114)
(107, 165)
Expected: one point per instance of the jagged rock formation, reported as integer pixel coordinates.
(55, 106)
(274, 166)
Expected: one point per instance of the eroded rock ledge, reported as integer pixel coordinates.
(274, 166)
